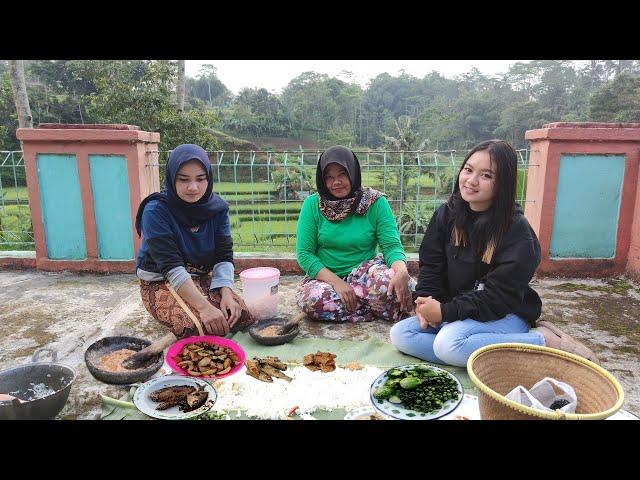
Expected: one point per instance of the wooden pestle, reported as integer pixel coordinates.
(138, 359)
(291, 324)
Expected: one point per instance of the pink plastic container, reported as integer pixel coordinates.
(212, 339)
(260, 291)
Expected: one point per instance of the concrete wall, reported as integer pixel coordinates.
(633, 257)
(82, 142)
(551, 145)
(558, 142)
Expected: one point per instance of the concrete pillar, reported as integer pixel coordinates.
(583, 199)
(633, 257)
(85, 183)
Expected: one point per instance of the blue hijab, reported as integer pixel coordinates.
(188, 214)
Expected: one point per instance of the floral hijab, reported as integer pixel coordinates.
(359, 199)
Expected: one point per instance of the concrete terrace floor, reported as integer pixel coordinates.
(68, 312)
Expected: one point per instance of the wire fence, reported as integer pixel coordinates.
(16, 231)
(265, 191)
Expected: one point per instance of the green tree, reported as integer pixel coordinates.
(60, 91)
(618, 101)
(475, 118)
(342, 135)
(385, 100)
(451, 113)
(257, 112)
(8, 116)
(140, 92)
(208, 88)
(516, 119)
(614, 68)
(317, 103)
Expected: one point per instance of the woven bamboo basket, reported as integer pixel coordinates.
(498, 369)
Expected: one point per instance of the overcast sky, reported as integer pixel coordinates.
(274, 75)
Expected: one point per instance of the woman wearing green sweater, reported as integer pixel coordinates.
(339, 231)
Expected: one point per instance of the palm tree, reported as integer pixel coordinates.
(20, 97)
(407, 139)
(180, 89)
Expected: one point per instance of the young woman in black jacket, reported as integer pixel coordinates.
(477, 258)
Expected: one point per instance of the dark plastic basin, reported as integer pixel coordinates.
(20, 382)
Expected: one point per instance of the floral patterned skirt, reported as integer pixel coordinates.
(370, 282)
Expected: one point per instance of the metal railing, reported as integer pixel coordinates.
(265, 191)
(16, 231)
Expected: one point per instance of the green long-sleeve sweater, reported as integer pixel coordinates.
(342, 246)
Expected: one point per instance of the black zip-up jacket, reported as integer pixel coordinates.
(465, 286)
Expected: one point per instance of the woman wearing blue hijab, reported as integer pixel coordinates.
(185, 261)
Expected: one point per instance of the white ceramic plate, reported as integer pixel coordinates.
(147, 406)
(364, 413)
(467, 410)
(398, 411)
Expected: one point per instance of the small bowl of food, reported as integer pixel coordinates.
(266, 331)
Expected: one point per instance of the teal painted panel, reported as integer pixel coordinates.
(61, 203)
(585, 222)
(110, 186)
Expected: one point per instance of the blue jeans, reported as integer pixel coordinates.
(453, 343)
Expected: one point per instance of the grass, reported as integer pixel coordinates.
(267, 248)
(222, 188)
(13, 194)
(247, 197)
(262, 219)
(617, 286)
(12, 247)
(265, 208)
(249, 236)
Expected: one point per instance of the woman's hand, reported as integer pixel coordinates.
(342, 288)
(399, 284)
(231, 309)
(346, 293)
(213, 321)
(420, 313)
(428, 312)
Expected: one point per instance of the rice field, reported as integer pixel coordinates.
(262, 220)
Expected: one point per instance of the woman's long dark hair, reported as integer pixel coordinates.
(489, 229)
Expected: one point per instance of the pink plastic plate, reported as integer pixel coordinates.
(212, 339)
